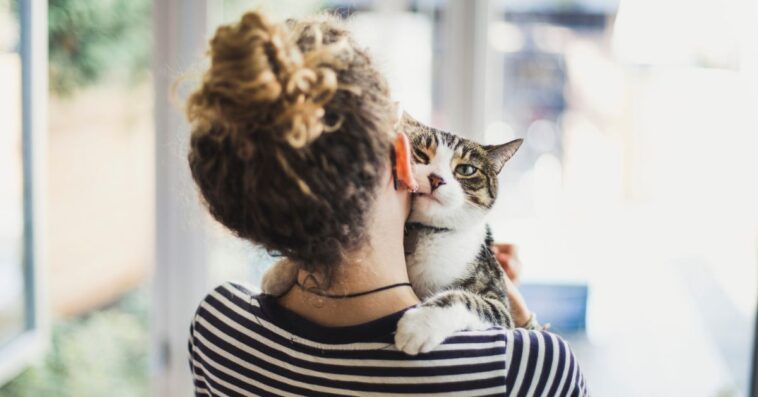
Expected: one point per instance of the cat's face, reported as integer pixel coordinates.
(457, 177)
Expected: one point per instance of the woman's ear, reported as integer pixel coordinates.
(499, 154)
(402, 170)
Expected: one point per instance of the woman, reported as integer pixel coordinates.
(292, 131)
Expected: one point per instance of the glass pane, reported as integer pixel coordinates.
(98, 163)
(620, 188)
(12, 317)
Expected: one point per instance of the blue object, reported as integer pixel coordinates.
(564, 306)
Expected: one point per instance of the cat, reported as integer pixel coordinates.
(447, 240)
(450, 264)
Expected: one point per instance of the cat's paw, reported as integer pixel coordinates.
(279, 278)
(422, 329)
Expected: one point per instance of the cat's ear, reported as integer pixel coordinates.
(408, 125)
(408, 119)
(499, 154)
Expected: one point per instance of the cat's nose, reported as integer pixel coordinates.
(435, 181)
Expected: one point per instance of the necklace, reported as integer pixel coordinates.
(353, 295)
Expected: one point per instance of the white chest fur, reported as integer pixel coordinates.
(441, 258)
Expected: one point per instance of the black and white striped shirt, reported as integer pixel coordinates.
(243, 344)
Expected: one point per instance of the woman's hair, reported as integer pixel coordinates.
(290, 133)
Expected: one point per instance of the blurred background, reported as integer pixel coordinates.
(634, 201)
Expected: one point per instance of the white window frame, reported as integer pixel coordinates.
(471, 74)
(31, 344)
(181, 30)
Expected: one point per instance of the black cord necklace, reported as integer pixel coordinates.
(353, 295)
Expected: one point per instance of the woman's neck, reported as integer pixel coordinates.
(365, 274)
(381, 262)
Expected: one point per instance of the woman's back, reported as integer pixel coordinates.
(243, 344)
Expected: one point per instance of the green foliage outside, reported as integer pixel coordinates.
(104, 353)
(93, 41)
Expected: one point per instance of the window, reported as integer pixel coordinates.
(22, 58)
(621, 103)
(636, 181)
(12, 314)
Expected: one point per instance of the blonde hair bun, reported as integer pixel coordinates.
(291, 136)
(261, 79)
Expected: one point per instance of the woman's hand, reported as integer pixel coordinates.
(507, 257)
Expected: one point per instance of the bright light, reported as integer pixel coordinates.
(505, 37)
(498, 132)
(542, 135)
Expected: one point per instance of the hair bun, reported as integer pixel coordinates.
(263, 80)
(259, 152)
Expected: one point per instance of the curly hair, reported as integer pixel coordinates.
(290, 135)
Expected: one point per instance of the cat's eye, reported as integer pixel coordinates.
(465, 169)
(420, 156)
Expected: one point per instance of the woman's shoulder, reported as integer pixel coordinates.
(234, 290)
(237, 320)
(541, 361)
(536, 362)
(230, 296)
(227, 301)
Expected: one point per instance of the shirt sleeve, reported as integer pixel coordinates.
(196, 366)
(540, 363)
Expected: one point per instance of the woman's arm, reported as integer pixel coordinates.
(507, 257)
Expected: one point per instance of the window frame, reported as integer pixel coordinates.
(29, 346)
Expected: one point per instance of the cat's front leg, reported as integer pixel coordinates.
(279, 278)
(423, 328)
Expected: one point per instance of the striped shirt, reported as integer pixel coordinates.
(243, 344)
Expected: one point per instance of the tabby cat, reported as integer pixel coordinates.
(447, 240)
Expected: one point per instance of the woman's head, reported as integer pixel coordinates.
(290, 136)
